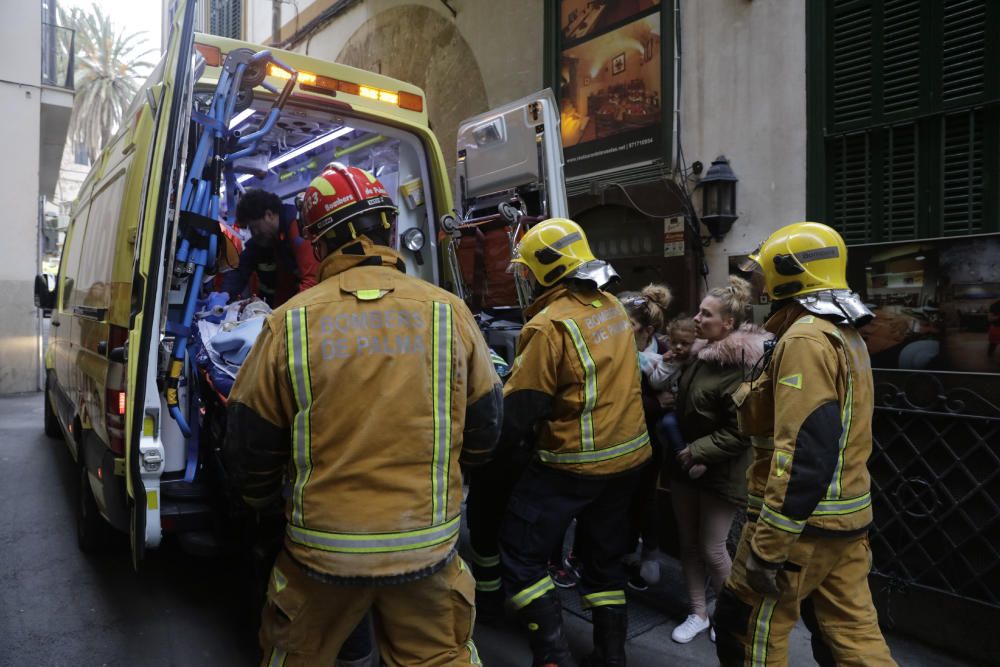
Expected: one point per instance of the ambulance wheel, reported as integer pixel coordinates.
(93, 533)
(52, 428)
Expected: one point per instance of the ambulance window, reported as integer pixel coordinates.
(396, 157)
(70, 263)
(93, 283)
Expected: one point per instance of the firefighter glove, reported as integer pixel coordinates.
(763, 576)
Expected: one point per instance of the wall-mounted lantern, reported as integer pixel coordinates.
(718, 190)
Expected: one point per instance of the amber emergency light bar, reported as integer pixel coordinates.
(324, 84)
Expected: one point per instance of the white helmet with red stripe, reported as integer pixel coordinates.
(337, 197)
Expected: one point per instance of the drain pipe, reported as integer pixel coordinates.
(275, 21)
(677, 86)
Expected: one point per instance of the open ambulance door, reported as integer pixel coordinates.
(509, 175)
(170, 103)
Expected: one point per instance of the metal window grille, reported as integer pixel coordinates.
(226, 18)
(936, 484)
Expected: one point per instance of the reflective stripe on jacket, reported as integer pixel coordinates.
(816, 399)
(367, 389)
(576, 381)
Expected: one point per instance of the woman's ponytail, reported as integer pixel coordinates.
(735, 299)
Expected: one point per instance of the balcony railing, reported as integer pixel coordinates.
(58, 49)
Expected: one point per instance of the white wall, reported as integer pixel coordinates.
(20, 97)
(21, 42)
(743, 95)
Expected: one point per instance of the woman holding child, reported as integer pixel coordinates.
(708, 471)
(647, 312)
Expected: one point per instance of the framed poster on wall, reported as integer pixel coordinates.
(610, 81)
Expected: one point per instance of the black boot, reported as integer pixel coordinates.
(543, 619)
(489, 606)
(610, 627)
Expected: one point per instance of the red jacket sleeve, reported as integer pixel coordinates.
(304, 258)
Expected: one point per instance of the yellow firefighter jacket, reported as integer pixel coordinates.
(363, 393)
(815, 398)
(576, 382)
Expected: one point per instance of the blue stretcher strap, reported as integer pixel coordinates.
(178, 329)
(206, 120)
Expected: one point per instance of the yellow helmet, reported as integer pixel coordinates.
(801, 258)
(553, 249)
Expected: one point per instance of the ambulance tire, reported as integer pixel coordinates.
(52, 428)
(93, 533)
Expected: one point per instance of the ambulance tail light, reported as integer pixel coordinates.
(115, 404)
(115, 396)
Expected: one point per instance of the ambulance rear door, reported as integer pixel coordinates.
(509, 175)
(514, 151)
(170, 100)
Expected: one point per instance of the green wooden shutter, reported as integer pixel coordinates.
(962, 173)
(911, 130)
(852, 64)
(851, 172)
(963, 62)
(900, 56)
(899, 183)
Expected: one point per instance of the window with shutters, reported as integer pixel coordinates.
(226, 18)
(904, 117)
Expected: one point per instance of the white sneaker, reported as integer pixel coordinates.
(711, 635)
(693, 626)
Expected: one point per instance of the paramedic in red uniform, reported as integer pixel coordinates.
(284, 263)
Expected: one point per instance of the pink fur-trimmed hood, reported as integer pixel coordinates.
(742, 347)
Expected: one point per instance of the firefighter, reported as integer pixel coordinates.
(369, 390)
(284, 263)
(490, 486)
(809, 415)
(574, 385)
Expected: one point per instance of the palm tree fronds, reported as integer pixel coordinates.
(110, 67)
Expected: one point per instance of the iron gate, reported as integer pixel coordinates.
(936, 483)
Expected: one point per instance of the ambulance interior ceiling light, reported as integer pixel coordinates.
(240, 117)
(305, 148)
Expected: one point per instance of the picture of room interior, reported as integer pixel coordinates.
(612, 83)
(932, 303)
(581, 18)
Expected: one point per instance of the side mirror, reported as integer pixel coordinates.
(45, 295)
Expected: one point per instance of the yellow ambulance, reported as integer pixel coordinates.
(217, 116)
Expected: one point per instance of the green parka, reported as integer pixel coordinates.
(707, 415)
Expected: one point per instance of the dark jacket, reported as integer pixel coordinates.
(283, 269)
(707, 415)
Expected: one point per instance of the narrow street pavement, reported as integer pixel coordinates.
(61, 608)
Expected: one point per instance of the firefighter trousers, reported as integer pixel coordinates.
(827, 578)
(425, 622)
(541, 508)
(490, 487)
